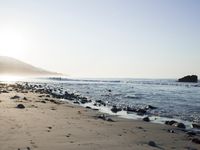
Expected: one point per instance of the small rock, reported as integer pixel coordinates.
(76, 102)
(171, 131)
(109, 90)
(88, 107)
(150, 107)
(110, 120)
(25, 98)
(28, 148)
(170, 122)
(196, 140)
(114, 109)
(197, 126)
(15, 97)
(191, 133)
(179, 125)
(146, 119)
(20, 106)
(152, 143)
(43, 102)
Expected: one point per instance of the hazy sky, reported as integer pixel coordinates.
(104, 38)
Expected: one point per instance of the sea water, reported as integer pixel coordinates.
(173, 99)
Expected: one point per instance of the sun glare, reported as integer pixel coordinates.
(9, 78)
(13, 43)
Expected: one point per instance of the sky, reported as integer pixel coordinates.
(104, 38)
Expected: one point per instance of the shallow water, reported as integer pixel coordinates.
(172, 99)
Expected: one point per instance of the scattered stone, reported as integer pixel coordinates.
(114, 109)
(109, 90)
(170, 122)
(110, 120)
(20, 106)
(146, 119)
(129, 109)
(43, 102)
(101, 102)
(88, 107)
(141, 112)
(15, 97)
(25, 98)
(191, 133)
(179, 125)
(197, 126)
(152, 143)
(171, 131)
(102, 116)
(150, 107)
(196, 140)
(105, 118)
(76, 102)
(28, 148)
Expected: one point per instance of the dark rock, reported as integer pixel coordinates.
(152, 143)
(76, 102)
(25, 98)
(197, 126)
(4, 91)
(88, 107)
(109, 90)
(48, 96)
(192, 78)
(28, 148)
(150, 107)
(171, 131)
(196, 140)
(179, 125)
(110, 120)
(20, 106)
(15, 97)
(101, 102)
(191, 133)
(146, 119)
(141, 112)
(84, 100)
(114, 109)
(103, 117)
(129, 109)
(170, 122)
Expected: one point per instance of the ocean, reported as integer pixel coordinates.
(173, 100)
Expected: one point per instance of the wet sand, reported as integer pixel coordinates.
(48, 124)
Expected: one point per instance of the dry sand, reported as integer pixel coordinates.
(51, 126)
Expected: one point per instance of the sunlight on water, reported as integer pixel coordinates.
(7, 78)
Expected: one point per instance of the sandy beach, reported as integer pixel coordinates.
(47, 123)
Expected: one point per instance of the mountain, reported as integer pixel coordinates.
(12, 66)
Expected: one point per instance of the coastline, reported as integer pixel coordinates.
(48, 123)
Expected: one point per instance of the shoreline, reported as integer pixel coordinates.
(136, 113)
(48, 123)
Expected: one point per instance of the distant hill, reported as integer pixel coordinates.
(12, 66)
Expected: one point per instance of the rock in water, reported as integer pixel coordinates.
(197, 126)
(192, 78)
(114, 109)
(152, 143)
(146, 119)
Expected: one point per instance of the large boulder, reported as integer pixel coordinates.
(192, 78)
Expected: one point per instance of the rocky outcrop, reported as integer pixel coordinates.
(189, 78)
